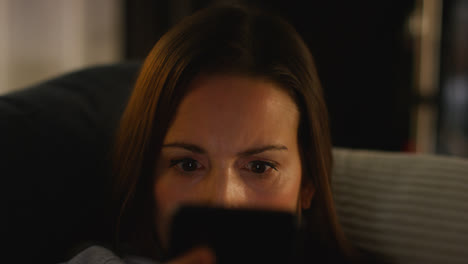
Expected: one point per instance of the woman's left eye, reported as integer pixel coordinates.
(260, 167)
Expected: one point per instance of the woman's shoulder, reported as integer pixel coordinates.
(101, 255)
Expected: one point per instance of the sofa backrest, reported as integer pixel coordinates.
(406, 208)
(54, 144)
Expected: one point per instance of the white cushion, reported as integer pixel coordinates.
(407, 208)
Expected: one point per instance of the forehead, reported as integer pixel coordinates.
(235, 109)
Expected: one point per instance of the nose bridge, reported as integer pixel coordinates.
(224, 188)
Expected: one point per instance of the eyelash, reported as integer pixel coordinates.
(272, 165)
(176, 162)
(265, 163)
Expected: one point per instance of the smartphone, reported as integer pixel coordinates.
(237, 235)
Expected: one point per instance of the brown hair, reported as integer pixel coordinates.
(222, 39)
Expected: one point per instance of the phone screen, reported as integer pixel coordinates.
(237, 235)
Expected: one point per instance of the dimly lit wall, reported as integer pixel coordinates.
(43, 39)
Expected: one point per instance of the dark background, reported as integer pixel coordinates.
(362, 49)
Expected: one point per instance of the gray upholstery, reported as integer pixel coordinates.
(407, 208)
(55, 139)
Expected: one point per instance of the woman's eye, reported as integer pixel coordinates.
(186, 164)
(260, 166)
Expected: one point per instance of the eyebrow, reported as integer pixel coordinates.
(248, 152)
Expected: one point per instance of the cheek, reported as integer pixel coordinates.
(168, 196)
(171, 191)
(292, 192)
(288, 194)
(284, 196)
(164, 194)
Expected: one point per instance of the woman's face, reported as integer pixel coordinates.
(233, 143)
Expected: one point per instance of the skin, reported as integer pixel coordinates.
(233, 143)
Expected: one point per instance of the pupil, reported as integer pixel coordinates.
(259, 168)
(189, 165)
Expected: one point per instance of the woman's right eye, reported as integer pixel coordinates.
(186, 164)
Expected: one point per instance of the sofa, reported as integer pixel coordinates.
(55, 140)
